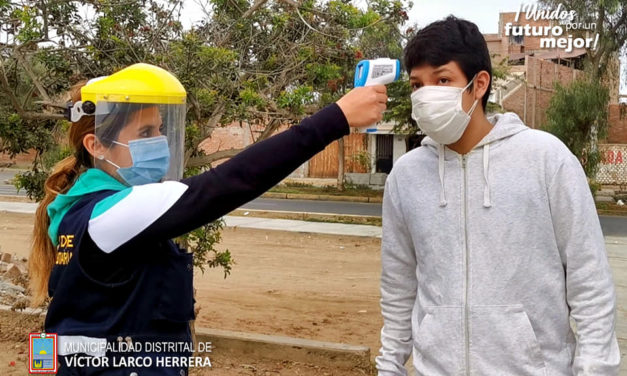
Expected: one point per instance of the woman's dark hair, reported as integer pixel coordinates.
(451, 39)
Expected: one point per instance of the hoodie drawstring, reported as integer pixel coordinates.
(487, 201)
(486, 192)
(441, 169)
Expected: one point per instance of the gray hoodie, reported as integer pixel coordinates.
(486, 256)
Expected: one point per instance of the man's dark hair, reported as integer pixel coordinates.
(451, 39)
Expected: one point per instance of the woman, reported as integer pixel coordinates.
(102, 247)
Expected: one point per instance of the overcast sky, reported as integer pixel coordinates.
(484, 13)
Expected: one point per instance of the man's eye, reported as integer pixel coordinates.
(443, 81)
(144, 134)
(416, 86)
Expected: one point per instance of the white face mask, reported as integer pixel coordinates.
(439, 113)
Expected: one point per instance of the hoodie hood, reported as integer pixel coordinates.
(505, 126)
(92, 180)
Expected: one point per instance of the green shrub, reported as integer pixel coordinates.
(577, 115)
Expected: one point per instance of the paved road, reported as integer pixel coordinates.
(5, 188)
(10, 190)
(7, 174)
(612, 226)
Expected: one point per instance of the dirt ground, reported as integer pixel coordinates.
(321, 287)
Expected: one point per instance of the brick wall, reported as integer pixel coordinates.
(236, 136)
(495, 46)
(229, 137)
(531, 99)
(530, 43)
(618, 124)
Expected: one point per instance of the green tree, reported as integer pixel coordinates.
(571, 112)
(264, 63)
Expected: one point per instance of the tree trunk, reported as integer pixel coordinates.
(594, 143)
(340, 162)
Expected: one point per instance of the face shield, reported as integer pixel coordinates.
(139, 117)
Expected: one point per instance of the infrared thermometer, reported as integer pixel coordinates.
(377, 72)
(380, 71)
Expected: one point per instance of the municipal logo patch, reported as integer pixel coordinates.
(42, 353)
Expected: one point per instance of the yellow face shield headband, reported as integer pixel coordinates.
(134, 106)
(138, 83)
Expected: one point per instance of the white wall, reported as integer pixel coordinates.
(399, 147)
(372, 149)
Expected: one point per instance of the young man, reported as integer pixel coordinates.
(491, 240)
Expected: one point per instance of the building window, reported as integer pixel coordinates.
(516, 39)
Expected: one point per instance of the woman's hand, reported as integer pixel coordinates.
(364, 106)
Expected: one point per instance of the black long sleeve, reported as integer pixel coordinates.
(249, 174)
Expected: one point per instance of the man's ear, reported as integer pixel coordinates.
(482, 80)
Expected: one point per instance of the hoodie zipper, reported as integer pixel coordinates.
(466, 270)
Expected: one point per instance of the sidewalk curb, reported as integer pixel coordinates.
(274, 195)
(308, 216)
(11, 198)
(303, 196)
(621, 240)
(335, 355)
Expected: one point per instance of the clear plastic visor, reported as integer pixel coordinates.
(140, 143)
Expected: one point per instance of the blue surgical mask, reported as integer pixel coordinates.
(151, 160)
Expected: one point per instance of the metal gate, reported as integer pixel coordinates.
(385, 154)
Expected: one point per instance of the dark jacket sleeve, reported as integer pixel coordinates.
(250, 173)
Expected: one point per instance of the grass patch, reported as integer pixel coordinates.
(606, 208)
(365, 221)
(350, 190)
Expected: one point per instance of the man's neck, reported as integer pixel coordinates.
(477, 129)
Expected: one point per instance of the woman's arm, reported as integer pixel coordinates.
(169, 209)
(214, 193)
